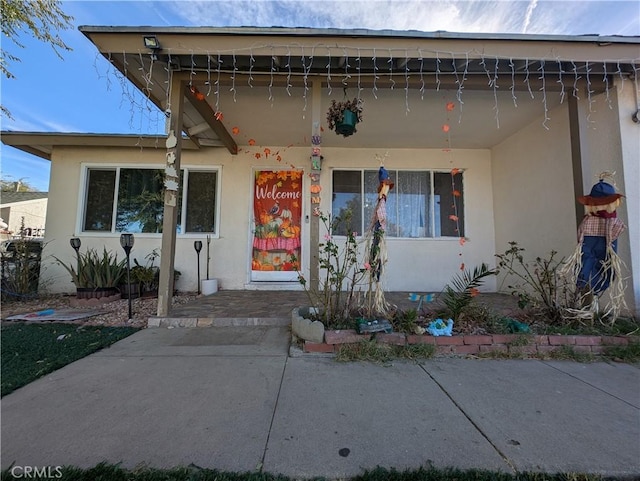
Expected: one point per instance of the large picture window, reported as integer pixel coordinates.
(122, 199)
(422, 204)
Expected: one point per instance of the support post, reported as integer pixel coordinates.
(314, 222)
(171, 188)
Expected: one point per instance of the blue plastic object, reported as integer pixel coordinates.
(440, 327)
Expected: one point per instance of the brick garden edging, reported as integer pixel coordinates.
(474, 344)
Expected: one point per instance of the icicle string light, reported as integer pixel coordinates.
(390, 62)
(217, 92)
(544, 95)
(590, 92)
(494, 84)
(605, 79)
(374, 90)
(437, 73)
(252, 62)
(576, 77)
(273, 69)
(526, 79)
(422, 85)
(208, 82)
(233, 77)
(406, 82)
(288, 67)
(358, 65)
(346, 76)
(203, 62)
(329, 89)
(513, 83)
(303, 60)
(560, 73)
(192, 72)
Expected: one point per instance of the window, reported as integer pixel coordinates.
(121, 199)
(421, 204)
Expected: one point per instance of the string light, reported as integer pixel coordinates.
(374, 90)
(233, 77)
(526, 79)
(147, 111)
(560, 72)
(208, 82)
(605, 78)
(252, 61)
(390, 61)
(422, 85)
(575, 80)
(544, 95)
(406, 82)
(513, 83)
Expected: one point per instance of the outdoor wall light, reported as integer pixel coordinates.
(151, 42)
(126, 241)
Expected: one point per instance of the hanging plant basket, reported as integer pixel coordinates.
(343, 116)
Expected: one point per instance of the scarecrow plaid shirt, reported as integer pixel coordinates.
(595, 226)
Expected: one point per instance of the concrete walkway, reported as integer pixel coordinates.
(231, 398)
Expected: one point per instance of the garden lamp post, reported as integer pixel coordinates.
(126, 241)
(197, 245)
(75, 243)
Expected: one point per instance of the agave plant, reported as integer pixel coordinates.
(96, 271)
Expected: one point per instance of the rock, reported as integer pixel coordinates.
(306, 329)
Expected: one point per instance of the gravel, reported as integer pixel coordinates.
(117, 311)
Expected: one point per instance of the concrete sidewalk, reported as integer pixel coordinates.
(232, 399)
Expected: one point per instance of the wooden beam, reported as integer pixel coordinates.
(209, 116)
(171, 189)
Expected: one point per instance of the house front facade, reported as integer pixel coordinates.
(487, 139)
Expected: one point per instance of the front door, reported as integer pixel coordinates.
(277, 213)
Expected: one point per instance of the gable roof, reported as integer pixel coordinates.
(15, 197)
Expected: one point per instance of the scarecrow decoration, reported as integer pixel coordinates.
(377, 247)
(595, 265)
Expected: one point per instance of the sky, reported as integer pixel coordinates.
(72, 93)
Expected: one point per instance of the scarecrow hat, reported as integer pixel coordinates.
(383, 178)
(602, 193)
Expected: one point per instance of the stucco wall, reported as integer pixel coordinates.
(31, 213)
(533, 190)
(602, 150)
(422, 265)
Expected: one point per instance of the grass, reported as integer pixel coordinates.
(30, 351)
(628, 353)
(372, 351)
(110, 472)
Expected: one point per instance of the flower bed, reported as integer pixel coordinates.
(512, 344)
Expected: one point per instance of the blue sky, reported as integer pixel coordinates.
(73, 94)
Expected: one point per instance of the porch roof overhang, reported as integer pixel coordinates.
(41, 144)
(254, 78)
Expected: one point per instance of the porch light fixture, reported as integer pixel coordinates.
(151, 42)
(197, 245)
(126, 241)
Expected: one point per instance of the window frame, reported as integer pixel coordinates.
(112, 232)
(432, 201)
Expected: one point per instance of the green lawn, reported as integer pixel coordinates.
(106, 472)
(30, 351)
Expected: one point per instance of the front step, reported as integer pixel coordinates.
(217, 322)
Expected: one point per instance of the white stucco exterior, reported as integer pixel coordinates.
(530, 120)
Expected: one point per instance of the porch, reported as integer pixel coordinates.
(273, 308)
